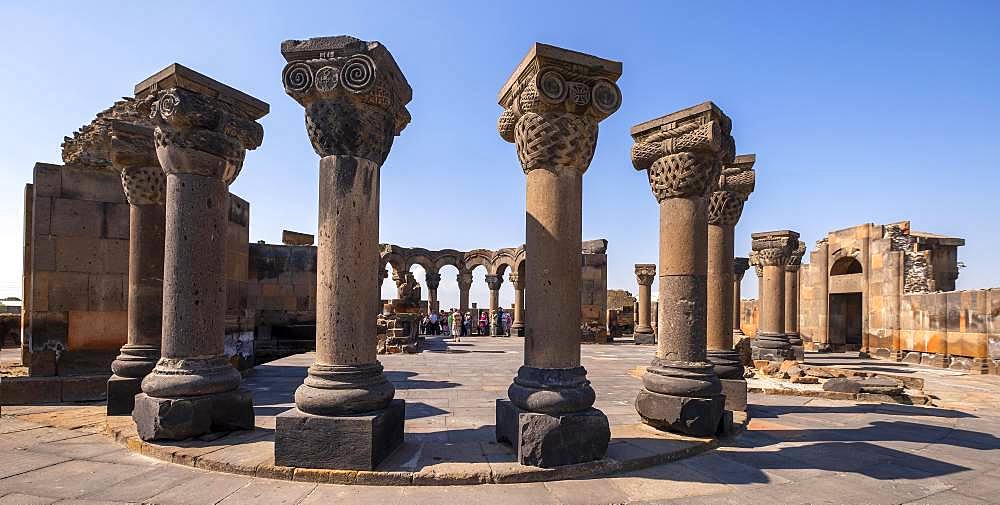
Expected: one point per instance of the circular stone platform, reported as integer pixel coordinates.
(450, 391)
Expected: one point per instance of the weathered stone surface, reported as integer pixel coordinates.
(338, 442)
(842, 385)
(549, 441)
(121, 395)
(880, 385)
(181, 418)
(698, 417)
(735, 392)
(804, 379)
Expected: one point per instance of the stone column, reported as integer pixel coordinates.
(433, 281)
(683, 155)
(724, 210)
(494, 282)
(821, 263)
(792, 302)
(354, 97)
(132, 151)
(203, 129)
(740, 266)
(464, 284)
(773, 249)
(552, 104)
(644, 275)
(517, 324)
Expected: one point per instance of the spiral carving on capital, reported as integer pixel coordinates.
(353, 92)
(683, 154)
(645, 274)
(551, 114)
(189, 121)
(795, 258)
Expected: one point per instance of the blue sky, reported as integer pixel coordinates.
(857, 111)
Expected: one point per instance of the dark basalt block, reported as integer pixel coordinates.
(181, 418)
(342, 442)
(121, 394)
(693, 416)
(549, 441)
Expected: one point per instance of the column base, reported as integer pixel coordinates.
(798, 349)
(735, 391)
(121, 394)
(642, 338)
(549, 441)
(338, 442)
(517, 331)
(728, 364)
(186, 417)
(770, 347)
(699, 417)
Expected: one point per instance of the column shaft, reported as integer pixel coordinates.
(737, 313)
(463, 299)
(772, 310)
(552, 245)
(147, 227)
(517, 325)
(720, 288)
(643, 323)
(683, 272)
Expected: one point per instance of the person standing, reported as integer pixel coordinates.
(498, 321)
(466, 323)
(506, 322)
(483, 323)
(434, 323)
(456, 326)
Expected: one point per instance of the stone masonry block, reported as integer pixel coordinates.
(181, 418)
(342, 443)
(108, 292)
(697, 417)
(735, 391)
(41, 216)
(116, 220)
(47, 180)
(82, 184)
(121, 393)
(115, 256)
(77, 218)
(68, 291)
(43, 254)
(79, 254)
(550, 441)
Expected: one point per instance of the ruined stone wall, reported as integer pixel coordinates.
(76, 271)
(885, 281)
(619, 299)
(749, 316)
(958, 329)
(594, 293)
(282, 283)
(77, 260)
(811, 304)
(240, 315)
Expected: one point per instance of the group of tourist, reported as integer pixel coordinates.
(455, 324)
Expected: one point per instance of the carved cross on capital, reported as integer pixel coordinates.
(683, 152)
(552, 104)
(354, 94)
(774, 248)
(645, 273)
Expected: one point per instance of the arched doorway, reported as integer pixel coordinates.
(846, 304)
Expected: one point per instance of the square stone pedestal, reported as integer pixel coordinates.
(735, 391)
(340, 443)
(180, 418)
(767, 354)
(121, 394)
(517, 331)
(699, 417)
(549, 441)
(798, 353)
(644, 338)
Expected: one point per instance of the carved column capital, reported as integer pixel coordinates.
(494, 282)
(736, 182)
(740, 266)
(464, 280)
(433, 280)
(645, 273)
(516, 280)
(683, 152)
(132, 152)
(552, 105)
(203, 135)
(774, 248)
(795, 258)
(354, 94)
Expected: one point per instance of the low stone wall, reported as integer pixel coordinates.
(749, 316)
(957, 329)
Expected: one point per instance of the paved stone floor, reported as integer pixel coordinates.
(797, 450)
